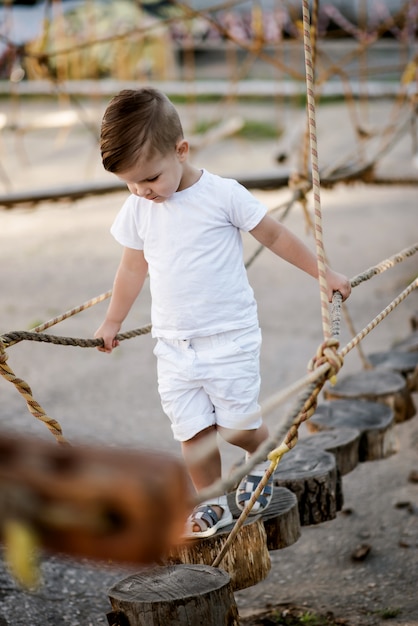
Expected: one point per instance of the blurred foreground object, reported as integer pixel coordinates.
(99, 503)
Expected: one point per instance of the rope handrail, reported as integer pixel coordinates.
(21, 335)
(306, 386)
(305, 408)
(10, 338)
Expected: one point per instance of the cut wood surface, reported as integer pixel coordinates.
(405, 363)
(247, 560)
(376, 385)
(179, 595)
(280, 519)
(409, 344)
(312, 476)
(343, 443)
(374, 420)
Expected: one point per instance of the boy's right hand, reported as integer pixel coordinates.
(108, 331)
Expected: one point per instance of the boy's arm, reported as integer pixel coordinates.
(280, 240)
(128, 282)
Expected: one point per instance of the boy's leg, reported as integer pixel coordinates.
(202, 458)
(250, 440)
(203, 462)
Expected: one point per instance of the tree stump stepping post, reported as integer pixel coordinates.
(247, 560)
(280, 519)
(312, 475)
(177, 595)
(374, 420)
(343, 443)
(378, 385)
(404, 363)
(409, 344)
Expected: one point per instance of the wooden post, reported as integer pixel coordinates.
(378, 385)
(247, 561)
(280, 519)
(343, 443)
(409, 344)
(374, 421)
(174, 595)
(311, 474)
(405, 363)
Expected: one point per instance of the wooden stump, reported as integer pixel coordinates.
(404, 363)
(343, 443)
(177, 595)
(312, 476)
(409, 344)
(374, 421)
(280, 519)
(377, 385)
(247, 560)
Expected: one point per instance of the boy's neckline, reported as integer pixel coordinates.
(191, 179)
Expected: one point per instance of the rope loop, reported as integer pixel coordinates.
(3, 354)
(327, 353)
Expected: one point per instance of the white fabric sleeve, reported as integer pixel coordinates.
(126, 225)
(245, 210)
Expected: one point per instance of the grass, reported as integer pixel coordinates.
(388, 612)
(251, 129)
(296, 618)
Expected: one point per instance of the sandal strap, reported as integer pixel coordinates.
(242, 498)
(250, 483)
(247, 487)
(204, 516)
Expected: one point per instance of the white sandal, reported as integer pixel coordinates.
(208, 519)
(249, 484)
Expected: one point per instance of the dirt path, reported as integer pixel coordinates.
(59, 256)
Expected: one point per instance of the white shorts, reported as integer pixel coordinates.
(210, 380)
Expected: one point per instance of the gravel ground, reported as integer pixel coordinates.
(58, 256)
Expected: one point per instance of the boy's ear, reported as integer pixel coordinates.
(182, 148)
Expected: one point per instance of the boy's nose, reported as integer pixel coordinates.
(142, 191)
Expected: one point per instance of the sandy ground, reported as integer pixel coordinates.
(58, 256)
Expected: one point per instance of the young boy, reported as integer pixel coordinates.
(182, 225)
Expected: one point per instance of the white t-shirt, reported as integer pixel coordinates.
(193, 247)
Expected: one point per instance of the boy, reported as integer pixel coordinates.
(182, 226)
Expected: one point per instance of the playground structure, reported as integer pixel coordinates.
(299, 194)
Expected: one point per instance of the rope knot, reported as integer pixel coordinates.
(327, 353)
(298, 182)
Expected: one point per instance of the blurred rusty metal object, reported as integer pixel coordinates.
(100, 503)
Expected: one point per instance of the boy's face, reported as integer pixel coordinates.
(157, 178)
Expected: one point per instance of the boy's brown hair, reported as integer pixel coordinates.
(138, 124)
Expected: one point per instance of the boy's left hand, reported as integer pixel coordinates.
(337, 282)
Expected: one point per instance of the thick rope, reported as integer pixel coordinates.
(323, 288)
(67, 314)
(324, 359)
(271, 403)
(33, 406)
(384, 265)
(307, 386)
(325, 353)
(20, 335)
(351, 344)
(331, 344)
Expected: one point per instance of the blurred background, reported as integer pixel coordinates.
(223, 62)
